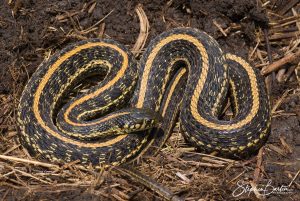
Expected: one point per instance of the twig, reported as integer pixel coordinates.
(101, 20)
(94, 26)
(279, 36)
(296, 14)
(288, 6)
(11, 149)
(219, 27)
(294, 178)
(285, 145)
(255, 48)
(11, 158)
(236, 177)
(280, 100)
(148, 182)
(269, 79)
(276, 149)
(30, 175)
(286, 19)
(279, 64)
(266, 33)
(258, 165)
(290, 72)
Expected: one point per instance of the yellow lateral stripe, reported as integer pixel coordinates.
(201, 81)
(119, 75)
(199, 87)
(235, 96)
(152, 56)
(174, 84)
(108, 117)
(50, 72)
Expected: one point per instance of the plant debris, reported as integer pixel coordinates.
(266, 32)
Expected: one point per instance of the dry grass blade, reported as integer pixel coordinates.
(297, 22)
(178, 168)
(31, 176)
(280, 100)
(144, 30)
(219, 27)
(33, 162)
(153, 185)
(94, 26)
(296, 175)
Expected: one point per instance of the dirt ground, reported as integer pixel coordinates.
(30, 31)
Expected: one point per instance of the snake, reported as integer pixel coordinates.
(183, 75)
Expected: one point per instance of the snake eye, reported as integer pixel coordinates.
(137, 119)
(149, 123)
(137, 126)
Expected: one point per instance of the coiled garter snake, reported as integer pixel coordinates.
(183, 73)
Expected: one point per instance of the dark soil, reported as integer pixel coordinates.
(31, 30)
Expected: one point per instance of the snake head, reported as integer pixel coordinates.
(139, 119)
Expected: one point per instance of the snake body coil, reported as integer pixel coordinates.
(183, 71)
